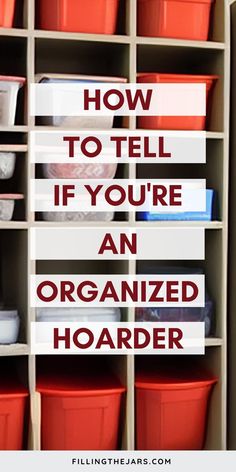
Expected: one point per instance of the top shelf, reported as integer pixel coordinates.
(14, 32)
(110, 38)
(122, 39)
(179, 42)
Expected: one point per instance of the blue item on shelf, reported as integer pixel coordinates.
(207, 215)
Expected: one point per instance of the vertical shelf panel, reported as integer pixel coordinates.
(232, 246)
(37, 51)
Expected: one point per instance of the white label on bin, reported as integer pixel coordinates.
(117, 338)
(90, 290)
(102, 195)
(90, 243)
(115, 147)
(83, 99)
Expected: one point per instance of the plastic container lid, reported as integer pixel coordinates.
(73, 376)
(77, 313)
(186, 1)
(7, 153)
(6, 315)
(177, 77)
(85, 384)
(74, 77)
(174, 379)
(11, 196)
(9, 78)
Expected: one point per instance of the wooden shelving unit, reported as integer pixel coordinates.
(27, 51)
(232, 245)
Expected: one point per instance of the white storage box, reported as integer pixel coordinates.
(78, 314)
(9, 326)
(7, 204)
(80, 122)
(78, 216)
(7, 164)
(9, 87)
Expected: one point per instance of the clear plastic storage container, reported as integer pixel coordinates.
(7, 164)
(78, 314)
(9, 326)
(80, 122)
(7, 205)
(9, 88)
(78, 171)
(179, 314)
(78, 215)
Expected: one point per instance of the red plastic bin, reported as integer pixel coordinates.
(171, 411)
(7, 9)
(81, 413)
(183, 19)
(12, 414)
(176, 122)
(84, 16)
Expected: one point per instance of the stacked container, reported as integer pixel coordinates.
(181, 19)
(208, 215)
(7, 205)
(7, 9)
(172, 404)
(7, 200)
(196, 123)
(78, 122)
(9, 326)
(171, 408)
(203, 314)
(79, 171)
(13, 399)
(9, 88)
(7, 165)
(84, 16)
(78, 314)
(81, 407)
